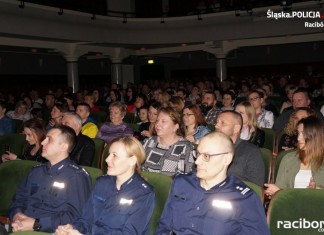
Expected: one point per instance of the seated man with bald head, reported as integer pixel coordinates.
(247, 163)
(209, 201)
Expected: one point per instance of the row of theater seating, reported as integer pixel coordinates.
(291, 211)
(269, 154)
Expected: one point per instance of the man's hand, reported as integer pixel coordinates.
(22, 222)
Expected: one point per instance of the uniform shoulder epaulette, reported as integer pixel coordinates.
(39, 165)
(75, 167)
(243, 189)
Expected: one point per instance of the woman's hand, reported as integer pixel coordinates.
(8, 156)
(66, 230)
(271, 189)
(146, 133)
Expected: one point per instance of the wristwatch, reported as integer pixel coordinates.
(36, 226)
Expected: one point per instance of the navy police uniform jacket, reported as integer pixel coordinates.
(111, 211)
(54, 194)
(230, 207)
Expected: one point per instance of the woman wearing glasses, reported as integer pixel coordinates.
(194, 123)
(265, 118)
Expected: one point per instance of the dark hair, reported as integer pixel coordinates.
(183, 91)
(143, 97)
(230, 93)
(37, 127)
(69, 136)
(37, 113)
(211, 93)
(87, 107)
(117, 94)
(260, 93)
(62, 106)
(156, 105)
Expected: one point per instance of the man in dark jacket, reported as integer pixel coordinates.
(84, 149)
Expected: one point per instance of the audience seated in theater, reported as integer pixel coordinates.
(290, 89)
(209, 108)
(29, 103)
(98, 100)
(289, 139)
(177, 103)
(84, 149)
(130, 98)
(53, 193)
(89, 99)
(36, 100)
(265, 118)
(250, 130)
(164, 98)
(228, 101)
(6, 124)
(194, 123)
(20, 112)
(122, 202)
(56, 115)
(147, 129)
(303, 168)
(168, 152)
(114, 96)
(247, 163)
(89, 128)
(140, 101)
(143, 115)
(69, 99)
(194, 96)
(269, 102)
(116, 127)
(300, 99)
(35, 134)
(181, 92)
(210, 201)
(47, 108)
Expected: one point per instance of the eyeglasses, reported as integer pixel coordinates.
(254, 98)
(206, 156)
(187, 114)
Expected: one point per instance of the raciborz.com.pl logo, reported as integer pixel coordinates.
(302, 223)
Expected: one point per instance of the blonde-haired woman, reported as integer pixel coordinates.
(122, 202)
(250, 130)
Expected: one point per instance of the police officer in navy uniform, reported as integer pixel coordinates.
(53, 193)
(122, 202)
(209, 202)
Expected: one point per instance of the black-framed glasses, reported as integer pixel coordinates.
(254, 98)
(206, 156)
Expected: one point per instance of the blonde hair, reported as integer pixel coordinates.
(250, 113)
(133, 148)
(290, 128)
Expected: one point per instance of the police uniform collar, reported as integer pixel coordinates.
(58, 166)
(127, 182)
(215, 187)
